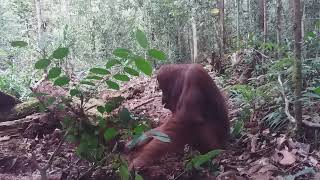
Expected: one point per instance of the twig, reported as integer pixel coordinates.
(286, 101)
(265, 56)
(95, 165)
(93, 106)
(179, 175)
(311, 124)
(56, 151)
(143, 103)
(43, 170)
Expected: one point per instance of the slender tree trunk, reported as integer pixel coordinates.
(93, 37)
(297, 75)
(265, 22)
(260, 15)
(249, 13)
(40, 26)
(238, 23)
(190, 44)
(194, 36)
(279, 11)
(303, 14)
(222, 33)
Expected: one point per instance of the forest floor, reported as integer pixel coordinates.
(258, 154)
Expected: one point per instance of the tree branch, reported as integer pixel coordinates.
(286, 101)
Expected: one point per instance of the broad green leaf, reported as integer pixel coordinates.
(310, 35)
(124, 172)
(163, 139)
(199, 160)
(109, 107)
(157, 54)
(100, 71)
(143, 65)
(121, 77)
(101, 109)
(205, 158)
(141, 38)
(61, 81)
(74, 92)
(139, 129)
(102, 122)
(137, 140)
(113, 103)
(112, 85)
(112, 62)
(60, 53)
(138, 177)
(87, 83)
(54, 72)
(317, 90)
(160, 136)
(42, 63)
(121, 52)
(94, 77)
(125, 115)
(109, 134)
(131, 71)
(18, 44)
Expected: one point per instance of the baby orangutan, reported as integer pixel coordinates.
(199, 114)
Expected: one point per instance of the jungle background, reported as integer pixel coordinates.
(77, 80)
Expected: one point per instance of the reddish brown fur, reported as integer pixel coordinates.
(199, 114)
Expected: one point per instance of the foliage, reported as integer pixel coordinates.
(199, 160)
(93, 140)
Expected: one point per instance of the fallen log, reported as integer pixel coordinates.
(20, 110)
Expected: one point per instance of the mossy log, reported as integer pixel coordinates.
(11, 110)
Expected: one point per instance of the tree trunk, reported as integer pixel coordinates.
(297, 75)
(194, 37)
(222, 33)
(238, 24)
(249, 13)
(40, 26)
(190, 44)
(265, 21)
(260, 15)
(278, 28)
(303, 14)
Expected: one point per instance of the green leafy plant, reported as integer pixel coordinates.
(120, 68)
(199, 160)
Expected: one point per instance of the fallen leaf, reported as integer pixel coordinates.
(288, 158)
(263, 176)
(313, 161)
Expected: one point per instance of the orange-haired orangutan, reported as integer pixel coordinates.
(199, 114)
